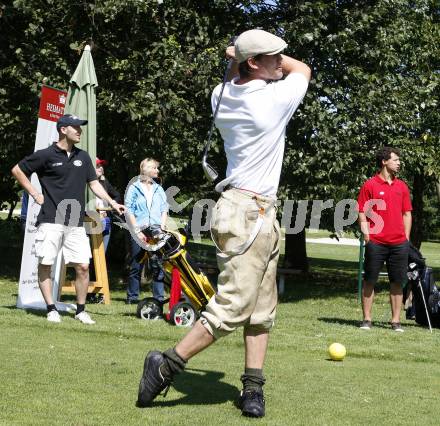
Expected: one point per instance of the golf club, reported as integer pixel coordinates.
(210, 172)
(414, 274)
(424, 303)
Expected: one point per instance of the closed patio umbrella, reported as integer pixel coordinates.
(81, 101)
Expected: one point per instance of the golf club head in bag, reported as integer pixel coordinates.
(412, 273)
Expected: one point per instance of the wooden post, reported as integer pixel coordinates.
(99, 286)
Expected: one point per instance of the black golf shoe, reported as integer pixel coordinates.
(252, 403)
(152, 382)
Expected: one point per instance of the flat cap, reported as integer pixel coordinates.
(257, 42)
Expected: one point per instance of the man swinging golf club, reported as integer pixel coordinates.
(254, 111)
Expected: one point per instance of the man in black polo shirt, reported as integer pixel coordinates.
(63, 171)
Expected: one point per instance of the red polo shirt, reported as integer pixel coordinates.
(379, 199)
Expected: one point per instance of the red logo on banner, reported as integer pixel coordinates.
(52, 103)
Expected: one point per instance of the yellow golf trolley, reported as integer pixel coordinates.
(190, 288)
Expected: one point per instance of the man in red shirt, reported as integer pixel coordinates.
(385, 220)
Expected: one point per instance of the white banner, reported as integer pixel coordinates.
(29, 295)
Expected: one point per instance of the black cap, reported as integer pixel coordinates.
(70, 120)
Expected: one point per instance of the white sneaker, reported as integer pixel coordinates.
(84, 317)
(53, 316)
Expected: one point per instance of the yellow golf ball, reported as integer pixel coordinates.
(337, 351)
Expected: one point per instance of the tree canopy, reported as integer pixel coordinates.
(375, 82)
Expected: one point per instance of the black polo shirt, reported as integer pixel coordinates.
(63, 182)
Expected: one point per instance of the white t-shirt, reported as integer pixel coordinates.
(148, 193)
(252, 120)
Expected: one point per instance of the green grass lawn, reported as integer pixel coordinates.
(71, 374)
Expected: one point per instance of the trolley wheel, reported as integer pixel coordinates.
(183, 314)
(149, 309)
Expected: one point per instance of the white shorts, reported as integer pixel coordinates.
(72, 240)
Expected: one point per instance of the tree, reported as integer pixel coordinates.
(156, 65)
(374, 83)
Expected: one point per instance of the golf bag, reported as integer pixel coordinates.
(425, 294)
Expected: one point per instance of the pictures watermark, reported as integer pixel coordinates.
(295, 214)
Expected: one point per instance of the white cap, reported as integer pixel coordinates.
(257, 42)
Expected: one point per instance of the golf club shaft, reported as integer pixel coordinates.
(210, 172)
(228, 68)
(424, 303)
